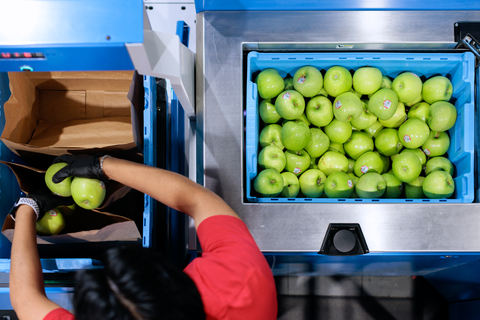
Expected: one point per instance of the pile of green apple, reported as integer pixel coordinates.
(354, 134)
(87, 193)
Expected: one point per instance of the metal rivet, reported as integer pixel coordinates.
(108, 38)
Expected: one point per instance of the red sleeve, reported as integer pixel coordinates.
(232, 275)
(59, 314)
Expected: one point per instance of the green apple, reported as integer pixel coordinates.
(438, 164)
(419, 153)
(414, 189)
(337, 81)
(368, 162)
(308, 81)
(414, 102)
(406, 166)
(270, 135)
(365, 120)
(367, 80)
(437, 88)
(387, 142)
(351, 165)
(88, 193)
(291, 186)
(347, 106)
(385, 160)
(67, 211)
(297, 161)
(318, 143)
(62, 188)
(413, 133)
(383, 104)
(269, 83)
(51, 223)
(272, 157)
(441, 116)
(438, 185)
(319, 111)
(290, 104)
(267, 112)
(295, 135)
(437, 144)
(408, 86)
(332, 162)
(268, 182)
(386, 83)
(312, 183)
(358, 143)
(397, 119)
(371, 185)
(419, 111)
(374, 129)
(394, 186)
(337, 147)
(339, 185)
(338, 131)
(288, 84)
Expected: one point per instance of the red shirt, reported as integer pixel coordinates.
(232, 275)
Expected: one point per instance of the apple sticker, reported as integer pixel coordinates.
(301, 80)
(426, 151)
(387, 104)
(407, 138)
(286, 96)
(53, 213)
(364, 169)
(338, 104)
(350, 183)
(297, 170)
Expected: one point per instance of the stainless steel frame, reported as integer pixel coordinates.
(221, 38)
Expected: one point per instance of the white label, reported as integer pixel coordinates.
(297, 170)
(338, 104)
(427, 152)
(102, 184)
(364, 169)
(387, 104)
(286, 96)
(350, 183)
(301, 80)
(53, 213)
(407, 138)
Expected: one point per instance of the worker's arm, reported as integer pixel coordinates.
(172, 189)
(27, 292)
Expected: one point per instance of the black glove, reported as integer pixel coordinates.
(41, 202)
(79, 166)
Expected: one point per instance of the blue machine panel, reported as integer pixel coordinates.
(286, 5)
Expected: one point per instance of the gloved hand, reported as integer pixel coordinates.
(46, 201)
(79, 166)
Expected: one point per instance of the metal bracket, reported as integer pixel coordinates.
(470, 43)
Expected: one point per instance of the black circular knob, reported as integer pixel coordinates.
(344, 241)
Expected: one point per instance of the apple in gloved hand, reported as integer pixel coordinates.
(51, 223)
(88, 193)
(62, 188)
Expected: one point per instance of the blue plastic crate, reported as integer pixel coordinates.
(458, 67)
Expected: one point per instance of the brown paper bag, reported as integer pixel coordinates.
(84, 225)
(54, 113)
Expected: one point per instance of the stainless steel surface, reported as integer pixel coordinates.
(301, 227)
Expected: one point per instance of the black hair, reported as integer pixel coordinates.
(136, 284)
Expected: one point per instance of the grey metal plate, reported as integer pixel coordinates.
(301, 227)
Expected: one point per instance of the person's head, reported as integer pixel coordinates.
(136, 283)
